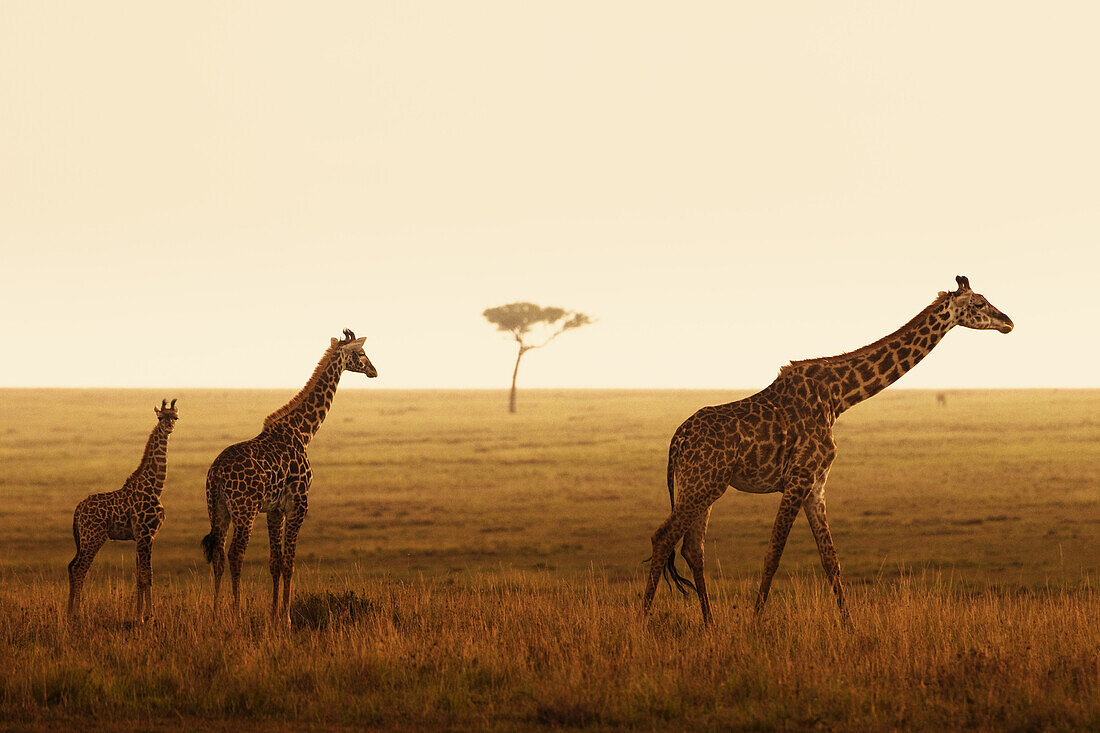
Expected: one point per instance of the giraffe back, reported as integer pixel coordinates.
(257, 470)
(755, 444)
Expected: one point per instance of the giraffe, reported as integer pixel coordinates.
(270, 473)
(133, 512)
(780, 440)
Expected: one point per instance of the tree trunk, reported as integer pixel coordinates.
(512, 397)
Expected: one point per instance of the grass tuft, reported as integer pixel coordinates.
(317, 611)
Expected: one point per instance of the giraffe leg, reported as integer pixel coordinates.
(275, 538)
(664, 544)
(788, 510)
(135, 606)
(144, 601)
(237, 546)
(89, 544)
(692, 551)
(213, 544)
(819, 525)
(293, 525)
(218, 563)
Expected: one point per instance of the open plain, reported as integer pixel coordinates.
(463, 568)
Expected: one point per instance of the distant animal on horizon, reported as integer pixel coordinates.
(270, 473)
(780, 440)
(133, 513)
(941, 399)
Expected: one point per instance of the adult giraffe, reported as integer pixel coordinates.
(271, 474)
(780, 439)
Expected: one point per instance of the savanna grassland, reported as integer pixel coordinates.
(466, 568)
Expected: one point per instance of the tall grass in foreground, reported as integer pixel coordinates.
(512, 649)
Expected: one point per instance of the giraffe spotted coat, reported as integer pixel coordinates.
(133, 513)
(780, 440)
(271, 474)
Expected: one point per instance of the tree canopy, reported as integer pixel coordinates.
(519, 318)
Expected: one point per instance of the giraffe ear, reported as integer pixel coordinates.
(335, 341)
(359, 341)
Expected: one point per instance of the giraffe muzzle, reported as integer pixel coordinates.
(1006, 325)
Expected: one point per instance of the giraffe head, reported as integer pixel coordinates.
(167, 414)
(355, 359)
(972, 310)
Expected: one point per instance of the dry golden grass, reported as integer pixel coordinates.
(463, 568)
(526, 649)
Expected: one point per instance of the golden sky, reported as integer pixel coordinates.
(201, 194)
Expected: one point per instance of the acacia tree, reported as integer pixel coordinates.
(519, 319)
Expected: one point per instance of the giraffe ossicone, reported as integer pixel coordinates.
(133, 512)
(780, 440)
(271, 474)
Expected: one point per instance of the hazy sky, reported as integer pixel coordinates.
(201, 194)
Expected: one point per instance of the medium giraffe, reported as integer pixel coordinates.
(780, 440)
(133, 512)
(271, 474)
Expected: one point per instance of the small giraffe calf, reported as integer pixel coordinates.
(133, 512)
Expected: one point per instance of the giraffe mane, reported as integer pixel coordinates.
(874, 345)
(297, 399)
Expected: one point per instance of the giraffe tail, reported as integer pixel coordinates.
(76, 537)
(208, 547)
(213, 497)
(670, 571)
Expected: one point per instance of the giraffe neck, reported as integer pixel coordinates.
(863, 373)
(154, 462)
(305, 412)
